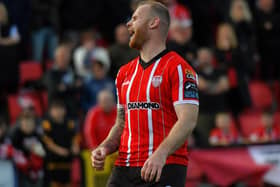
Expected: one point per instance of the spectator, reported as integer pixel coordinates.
(180, 37)
(44, 27)
(268, 33)
(62, 82)
(61, 143)
(26, 139)
(269, 131)
(9, 32)
(177, 11)
(213, 87)
(225, 133)
(7, 173)
(100, 119)
(230, 58)
(100, 64)
(120, 52)
(88, 44)
(9, 54)
(241, 21)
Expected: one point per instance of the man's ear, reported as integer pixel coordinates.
(154, 23)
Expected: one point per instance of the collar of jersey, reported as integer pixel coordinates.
(153, 60)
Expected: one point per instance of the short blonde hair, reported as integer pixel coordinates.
(4, 11)
(246, 10)
(160, 10)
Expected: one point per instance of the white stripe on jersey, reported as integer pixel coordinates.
(150, 120)
(181, 79)
(128, 114)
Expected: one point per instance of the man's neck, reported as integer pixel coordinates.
(150, 50)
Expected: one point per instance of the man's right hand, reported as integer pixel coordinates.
(98, 156)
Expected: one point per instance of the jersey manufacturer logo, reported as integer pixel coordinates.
(156, 80)
(142, 105)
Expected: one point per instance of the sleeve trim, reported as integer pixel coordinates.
(193, 102)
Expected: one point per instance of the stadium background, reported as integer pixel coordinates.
(233, 45)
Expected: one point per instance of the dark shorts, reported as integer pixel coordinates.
(173, 175)
(59, 175)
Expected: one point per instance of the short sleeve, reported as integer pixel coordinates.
(184, 84)
(118, 82)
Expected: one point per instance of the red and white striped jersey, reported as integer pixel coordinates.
(148, 92)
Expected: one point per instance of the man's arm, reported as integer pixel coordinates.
(111, 143)
(187, 117)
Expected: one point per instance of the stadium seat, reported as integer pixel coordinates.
(277, 118)
(276, 90)
(44, 99)
(249, 122)
(30, 71)
(15, 102)
(261, 95)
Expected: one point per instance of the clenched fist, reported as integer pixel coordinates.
(98, 156)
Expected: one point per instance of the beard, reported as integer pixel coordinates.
(138, 39)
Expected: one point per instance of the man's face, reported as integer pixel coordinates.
(223, 121)
(62, 58)
(266, 5)
(138, 27)
(57, 113)
(27, 125)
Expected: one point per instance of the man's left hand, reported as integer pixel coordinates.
(152, 168)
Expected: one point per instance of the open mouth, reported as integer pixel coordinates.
(131, 33)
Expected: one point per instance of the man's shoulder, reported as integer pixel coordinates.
(177, 60)
(129, 65)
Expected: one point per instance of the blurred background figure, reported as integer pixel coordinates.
(269, 130)
(120, 52)
(7, 171)
(62, 143)
(267, 20)
(81, 54)
(224, 133)
(100, 119)
(61, 80)
(213, 88)
(9, 55)
(27, 139)
(181, 31)
(45, 27)
(9, 32)
(240, 18)
(231, 59)
(99, 80)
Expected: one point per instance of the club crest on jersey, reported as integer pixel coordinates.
(156, 80)
(190, 75)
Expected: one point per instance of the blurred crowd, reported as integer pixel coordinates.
(73, 50)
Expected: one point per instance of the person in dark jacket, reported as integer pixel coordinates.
(230, 58)
(61, 142)
(9, 53)
(240, 18)
(268, 35)
(62, 82)
(26, 138)
(45, 27)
